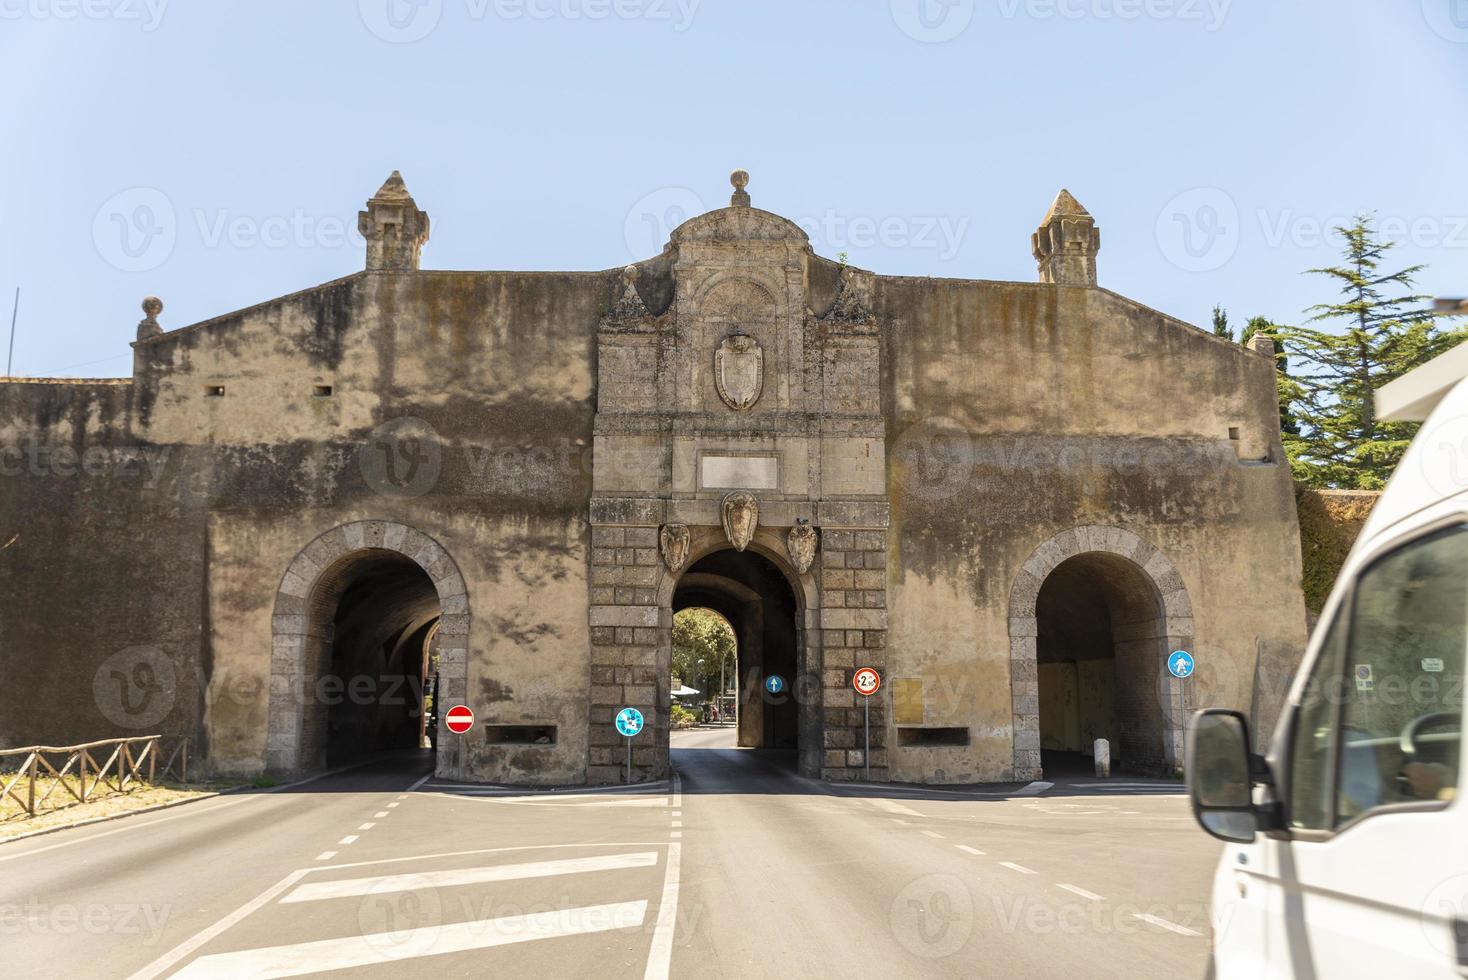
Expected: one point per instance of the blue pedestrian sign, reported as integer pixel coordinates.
(775, 684)
(629, 721)
(1180, 664)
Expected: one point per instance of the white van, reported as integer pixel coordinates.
(1348, 849)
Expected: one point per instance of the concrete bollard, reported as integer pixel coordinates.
(1102, 750)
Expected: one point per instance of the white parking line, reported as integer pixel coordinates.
(352, 887)
(969, 850)
(1017, 867)
(326, 855)
(660, 956)
(391, 947)
(1163, 923)
(349, 839)
(1088, 896)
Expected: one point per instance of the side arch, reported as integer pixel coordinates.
(302, 634)
(1176, 611)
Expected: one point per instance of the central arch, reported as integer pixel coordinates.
(363, 604)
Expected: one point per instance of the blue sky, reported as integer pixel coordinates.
(216, 153)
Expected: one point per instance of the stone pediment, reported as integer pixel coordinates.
(739, 224)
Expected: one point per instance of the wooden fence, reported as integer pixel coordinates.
(127, 764)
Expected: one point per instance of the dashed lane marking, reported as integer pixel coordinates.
(1163, 923)
(326, 855)
(367, 826)
(353, 887)
(932, 833)
(379, 814)
(1088, 896)
(349, 839)
(970, 850)
(1017, 867)
(892, 807)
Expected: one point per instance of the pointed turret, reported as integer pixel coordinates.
(1066, 243)
(394, 227)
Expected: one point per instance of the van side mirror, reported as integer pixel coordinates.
(1221, 775)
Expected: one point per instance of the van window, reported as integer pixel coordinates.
(1312, 742)
(1402, 692)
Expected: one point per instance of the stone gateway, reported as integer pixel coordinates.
(1014, 500)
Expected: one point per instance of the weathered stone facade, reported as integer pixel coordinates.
(972, 486)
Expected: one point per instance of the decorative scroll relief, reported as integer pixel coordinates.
(739, 472)
(673, 541)
(740, 512)
(739, 371)
(801, 543)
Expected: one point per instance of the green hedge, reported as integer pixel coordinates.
(1330, 521)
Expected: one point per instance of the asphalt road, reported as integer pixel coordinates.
(738, 868)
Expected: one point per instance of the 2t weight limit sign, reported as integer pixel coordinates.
(866, 681)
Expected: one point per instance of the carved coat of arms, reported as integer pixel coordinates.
(674, 539)
(741, 516)
(801, 543)
(739, 371)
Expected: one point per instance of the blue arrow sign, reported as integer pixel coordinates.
(774, 684)
(1181, 664)
(629, 721)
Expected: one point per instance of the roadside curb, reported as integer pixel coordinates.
(230, 791)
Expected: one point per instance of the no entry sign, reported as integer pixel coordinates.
(459, 719)
(866, 681)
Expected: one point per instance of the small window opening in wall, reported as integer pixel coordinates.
(1233, 433)
(322, 391)
(520, 734)
(214, 391)
(932, 736)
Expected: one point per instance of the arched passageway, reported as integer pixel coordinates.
(753, 594)
(1101, 638)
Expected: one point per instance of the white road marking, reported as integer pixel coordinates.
(900, 823)
(677, 823)
(394, 947)
(1088, 896)
(1017, 867)
(414, 787)
(1035, 789)
(676, 835)
(351, 887)
(660, 956)
(1163, 923)
(204, 806)
(969, 850)
(367, 826)
(379, 814)
(349, 839)
(186, 947)
(326, 855)
(932, 833)
(392, 806)
(892, 807)
(677, 791)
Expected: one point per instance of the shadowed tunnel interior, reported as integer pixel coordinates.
(1101, 634)
(382, 611)
(750, 592)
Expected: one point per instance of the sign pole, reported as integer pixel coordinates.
(866, 752)
(629, 762)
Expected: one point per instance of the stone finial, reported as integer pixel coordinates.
(394, 227)
(740, 180)
(1066, 243)
(1261, 343)
(148, 326)
(630, 306)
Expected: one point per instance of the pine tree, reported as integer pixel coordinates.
(1220, 323)
(1289, 388)
(1376, 338)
